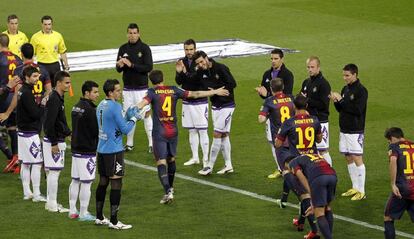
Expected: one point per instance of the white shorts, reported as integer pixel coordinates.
(30, 148)
(324, 144)
(268, 131)
(83, 167)
(57, 161)
(132, 97)
(222, 119)
(195, 116)
(351, 143)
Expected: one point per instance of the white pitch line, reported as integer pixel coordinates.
(263, 197)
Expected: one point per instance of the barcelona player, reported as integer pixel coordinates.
(319, 178)
(401, 158)
(8, 62)
(302, 132)
(277, 108)
(163, 100)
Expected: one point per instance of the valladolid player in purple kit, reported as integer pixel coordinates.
(352, 107)
(134, 60)
(279, 70)
(194, 111)
(163, 100)
(317, 89)
(84, 143)
(401, 164)
(215, 75)
(56, 130)
(319, 178)
(29, 115)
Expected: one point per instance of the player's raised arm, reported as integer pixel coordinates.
(200, 94)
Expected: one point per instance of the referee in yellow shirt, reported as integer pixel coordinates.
(16, 37)
(48, 45)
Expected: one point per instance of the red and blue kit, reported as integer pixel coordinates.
(163, 100)
(321, 177)
(277, 108)
(395, 207)
(301, 131)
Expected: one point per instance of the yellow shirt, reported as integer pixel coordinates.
(47, 47)
(16, 41)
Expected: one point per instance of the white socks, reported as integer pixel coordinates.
(148, 129)
(194, 141)
(35, 175)
(360, 175)
(25, 175)
(215, 149)
(226, 147)
(274, 155)
(84, 197)
(130, 137)
(327, 157)
(352, 168)
(73, 195)
(204, 141)
(357, 175)
(52, 188)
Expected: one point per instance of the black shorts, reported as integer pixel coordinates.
(164, 148)
(110, 165)
(52, 69)
(396, 207)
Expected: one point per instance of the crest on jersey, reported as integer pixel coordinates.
(267, 80)
(314, 89)
(34, 150)
(56, 48)
(351, 97)
(125, 55)
(56, 157)
(217, 76)
(90, 166)
(139, 54)
(205, 76)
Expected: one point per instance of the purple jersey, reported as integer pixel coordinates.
(8, 62)
(163, 101)
(312, 166)
(277, 108)
(301, 131)
(404, 151)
